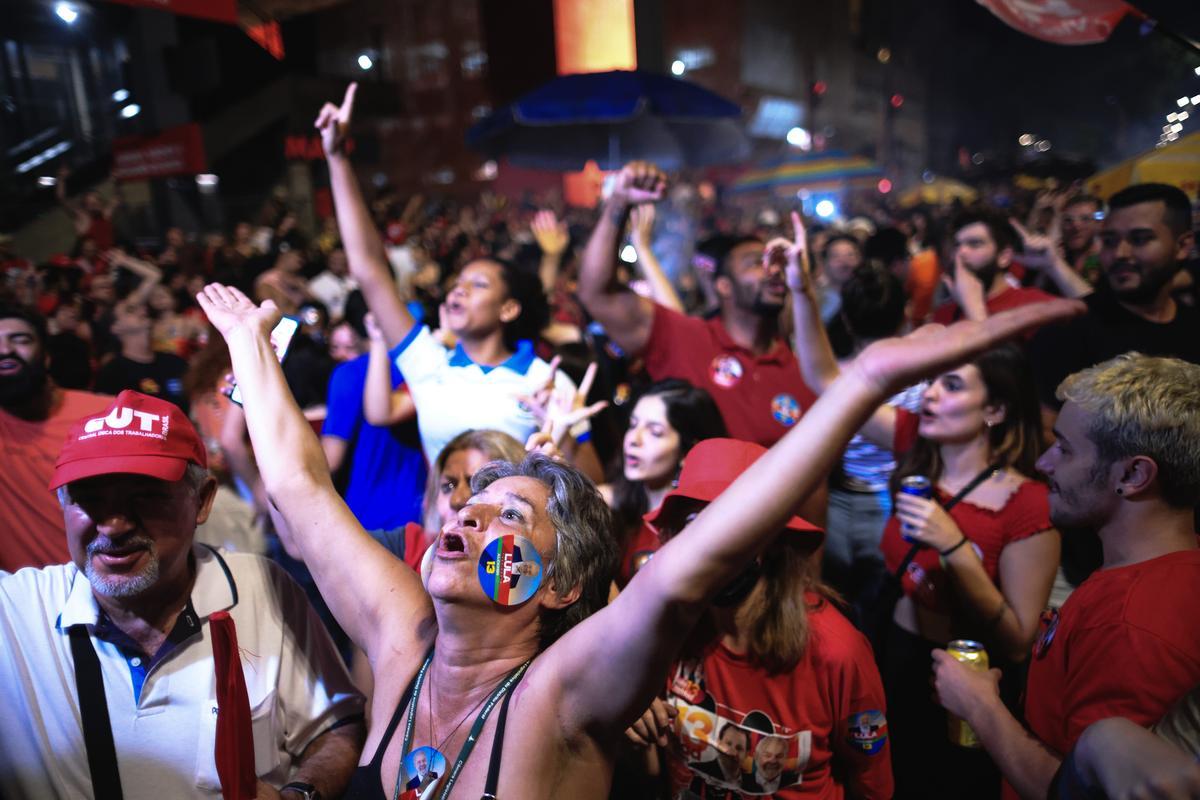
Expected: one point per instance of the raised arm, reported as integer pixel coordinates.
(376, 598)
(818, 366)
(611, 665)
(1045, 254)
(626, 317)
(661, 290)
(382, 405)
(552, 239)
(364, 246)
(148, 274)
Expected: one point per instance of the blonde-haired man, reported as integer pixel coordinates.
(1125, 464)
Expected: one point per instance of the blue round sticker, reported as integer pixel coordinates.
(785, 409)
(510, 570)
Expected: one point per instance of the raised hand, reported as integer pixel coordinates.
(892, 364)
(230, 311)
(559, 408)
(642, 219)
(374, 333)
(551, 235)
(639, 182)
(792, 255)
(333, 122)
(1040, 250)
(967, 289)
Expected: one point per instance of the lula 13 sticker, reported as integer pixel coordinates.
(510, 570)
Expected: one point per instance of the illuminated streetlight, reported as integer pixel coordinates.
(1025, 139)
(120, 95)
(1183, 101)
(130, 111)
(1176, 128)
(47, 180)
(1181, 116)
(1173, 117)
(1042, 146)
(207, 179)
(678, 67)
(66, 12)
(1196, 99)
(826, 209)
(365, 62)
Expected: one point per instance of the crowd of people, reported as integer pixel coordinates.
(292, 516)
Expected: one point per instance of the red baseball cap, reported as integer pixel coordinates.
(138, 434)
(709, 469)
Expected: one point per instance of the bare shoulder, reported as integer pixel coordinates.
(996, 492)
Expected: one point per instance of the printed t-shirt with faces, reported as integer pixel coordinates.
(742, 732)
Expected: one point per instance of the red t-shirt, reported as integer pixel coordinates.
(638, 550)
(760, 397)
(827, 718)
(31, 520)
(414, 545)
(1012, 297)
(1026, 513)
(1124, 644)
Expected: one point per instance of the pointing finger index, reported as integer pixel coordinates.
(585, 386)
(348, 101)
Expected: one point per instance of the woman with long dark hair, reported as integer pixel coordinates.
(668, 419)
(975, 559)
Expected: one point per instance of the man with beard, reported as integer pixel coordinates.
(739, 356)
(1125, 465)
(149, 666)
(983, 248)
(34, 417)
(1144, 241)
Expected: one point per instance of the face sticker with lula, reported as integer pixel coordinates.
(510, 570)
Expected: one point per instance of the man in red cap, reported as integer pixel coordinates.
(122, 639)
(34, 417)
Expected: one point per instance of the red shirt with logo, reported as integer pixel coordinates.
(31, 519)
(760, 396)
(1026, 513)
(1125, 644)
(817, 731)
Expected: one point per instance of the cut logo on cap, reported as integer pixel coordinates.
(510, 569)
(120, 422)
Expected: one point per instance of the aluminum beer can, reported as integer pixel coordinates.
(974, 656)
(919, 486)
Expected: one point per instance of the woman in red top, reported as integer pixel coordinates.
(776, 694)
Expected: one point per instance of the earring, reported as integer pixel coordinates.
(1120, 490)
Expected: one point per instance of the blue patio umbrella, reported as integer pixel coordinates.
(611, 118)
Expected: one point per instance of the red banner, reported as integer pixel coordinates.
(216, 10)
(1061, 21)
(175, 151)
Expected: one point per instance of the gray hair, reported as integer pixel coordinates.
(585, 548)
(194, 476)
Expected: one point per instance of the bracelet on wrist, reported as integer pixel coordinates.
(950, 550)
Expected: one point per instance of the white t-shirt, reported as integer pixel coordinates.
(453, 394)
(164, 737)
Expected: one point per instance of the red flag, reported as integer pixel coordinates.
(235, 739)
(1061, 21)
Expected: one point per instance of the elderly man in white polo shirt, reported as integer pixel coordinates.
(152, 667)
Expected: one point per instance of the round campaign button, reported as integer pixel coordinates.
(725, 371)
(510, 570)
(785, 409)
(422, 768)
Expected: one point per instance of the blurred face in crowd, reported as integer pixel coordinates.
(1080, 226)
(102, 291)
(175, 237)
(162, 299)
(769, 757)
(954, 409)
(345, 344)
(651, 444)
(130, 319)
(980, 253)
(92, 203)
(66, 316)
(337, 263)
(478, 303)
(841, 259)
(1079, 495)
(754, 286)
(454, 484)
(242, 232)
(1139, 253)
(22, 362)
(130, 533)
(289, 261)
(87, 249)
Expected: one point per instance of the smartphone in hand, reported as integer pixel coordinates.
(281, 339)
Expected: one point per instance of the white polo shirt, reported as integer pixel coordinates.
(454, 394)
(165, 737)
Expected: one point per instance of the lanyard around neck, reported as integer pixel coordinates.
(472, 736)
